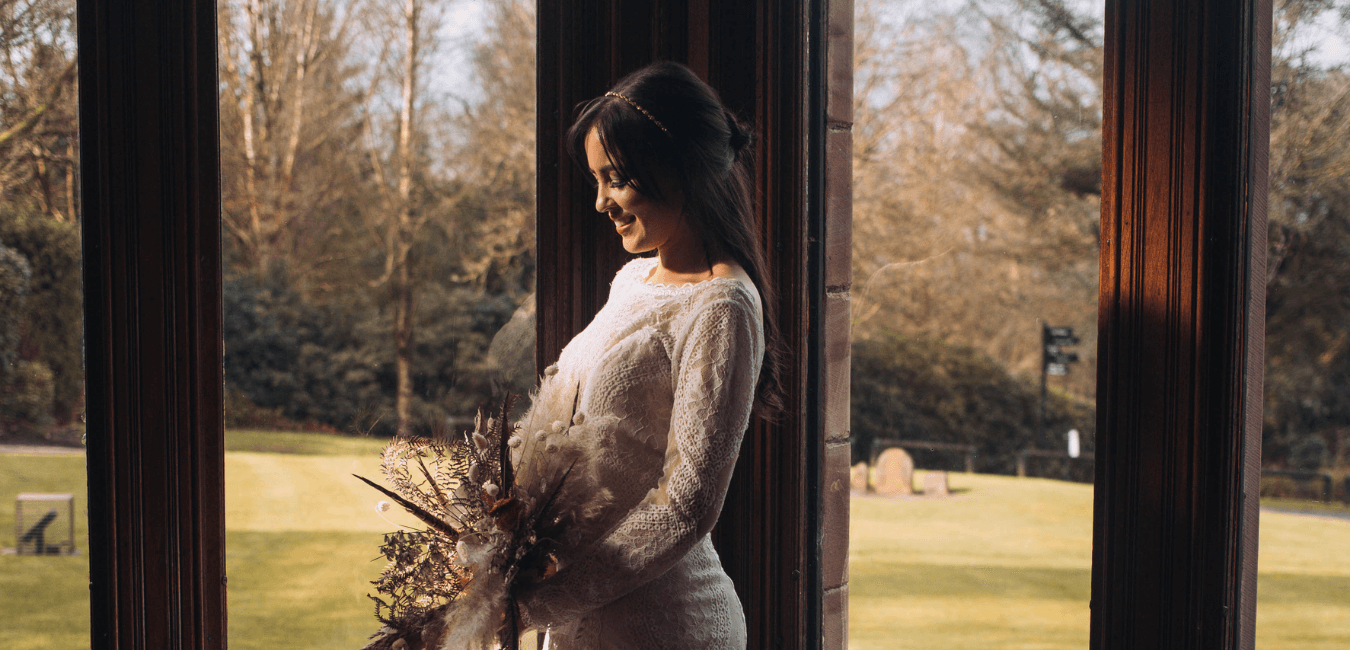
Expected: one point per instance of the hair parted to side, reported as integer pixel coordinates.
(662, 121)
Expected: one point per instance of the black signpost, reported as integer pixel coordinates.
(1055, 360)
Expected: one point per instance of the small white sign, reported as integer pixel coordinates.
(1074, 448)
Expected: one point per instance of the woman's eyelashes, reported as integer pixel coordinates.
(614, 182)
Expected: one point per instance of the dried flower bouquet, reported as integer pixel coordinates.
(498, 503)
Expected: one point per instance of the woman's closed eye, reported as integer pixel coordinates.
(614, 182)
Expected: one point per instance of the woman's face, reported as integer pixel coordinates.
(643, 223)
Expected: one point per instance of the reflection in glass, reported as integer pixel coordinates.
(44, 543)
(378, 214)
(1303, 598)
(977, 183)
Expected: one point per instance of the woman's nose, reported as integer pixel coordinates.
(601, 198)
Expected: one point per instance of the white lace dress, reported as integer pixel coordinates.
(666, 376)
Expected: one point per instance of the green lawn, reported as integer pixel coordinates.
(44, 599)
(1002, 563)
(302, 540)
(1005, 563)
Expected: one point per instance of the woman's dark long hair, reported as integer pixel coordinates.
(662, 121)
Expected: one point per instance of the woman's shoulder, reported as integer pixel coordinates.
(736, 293)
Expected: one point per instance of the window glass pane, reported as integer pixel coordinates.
(378, 214)
(44, 543)
(977, 182)
(1303, 598)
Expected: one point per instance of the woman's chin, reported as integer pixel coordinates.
(635, 245)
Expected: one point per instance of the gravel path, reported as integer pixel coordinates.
(40, 450)
(1326, 514)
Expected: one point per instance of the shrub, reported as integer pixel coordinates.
(288, 358)
(51, 328)
(27, 399)
(934, 391)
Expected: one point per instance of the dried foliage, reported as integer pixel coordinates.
(490, 502)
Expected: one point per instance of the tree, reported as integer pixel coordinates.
(15, 274)
(396, 222)
(497, 158)
(1307, 422)
(406, 199)
(290, 119)
(976, 154)
(38, 130)
(51, 328)
(458, 224)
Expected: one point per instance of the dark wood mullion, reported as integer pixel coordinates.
(1180, 335)
(150, 172)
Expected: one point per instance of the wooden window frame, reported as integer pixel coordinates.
(1181, 324)
(1184, 153)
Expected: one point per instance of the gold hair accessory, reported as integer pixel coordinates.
(640, 110)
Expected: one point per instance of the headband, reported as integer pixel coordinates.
(640, 110)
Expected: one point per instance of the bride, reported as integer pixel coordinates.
(663, 380)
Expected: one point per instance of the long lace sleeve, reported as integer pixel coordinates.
(716, 369)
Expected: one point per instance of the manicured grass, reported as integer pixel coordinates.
(45, 599)
(1002, 563)
(1005, 563)
(301, 589)
(302, 543)
(305, 444)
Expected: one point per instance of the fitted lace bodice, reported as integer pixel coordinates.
(662, 381)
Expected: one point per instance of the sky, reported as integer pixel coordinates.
(452, 75)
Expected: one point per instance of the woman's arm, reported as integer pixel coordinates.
(718, 367)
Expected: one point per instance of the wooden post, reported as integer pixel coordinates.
(150, 188)
(1181, 326)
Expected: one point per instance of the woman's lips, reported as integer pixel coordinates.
(623, 221)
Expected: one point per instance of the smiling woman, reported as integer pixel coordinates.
(644, 224)
(671, 167)
(661, 383)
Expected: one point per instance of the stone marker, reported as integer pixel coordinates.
(895, 473)
(858, 478)
(935, 484)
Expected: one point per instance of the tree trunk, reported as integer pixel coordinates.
(403, 345)
(253, 93)
(405, 226)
